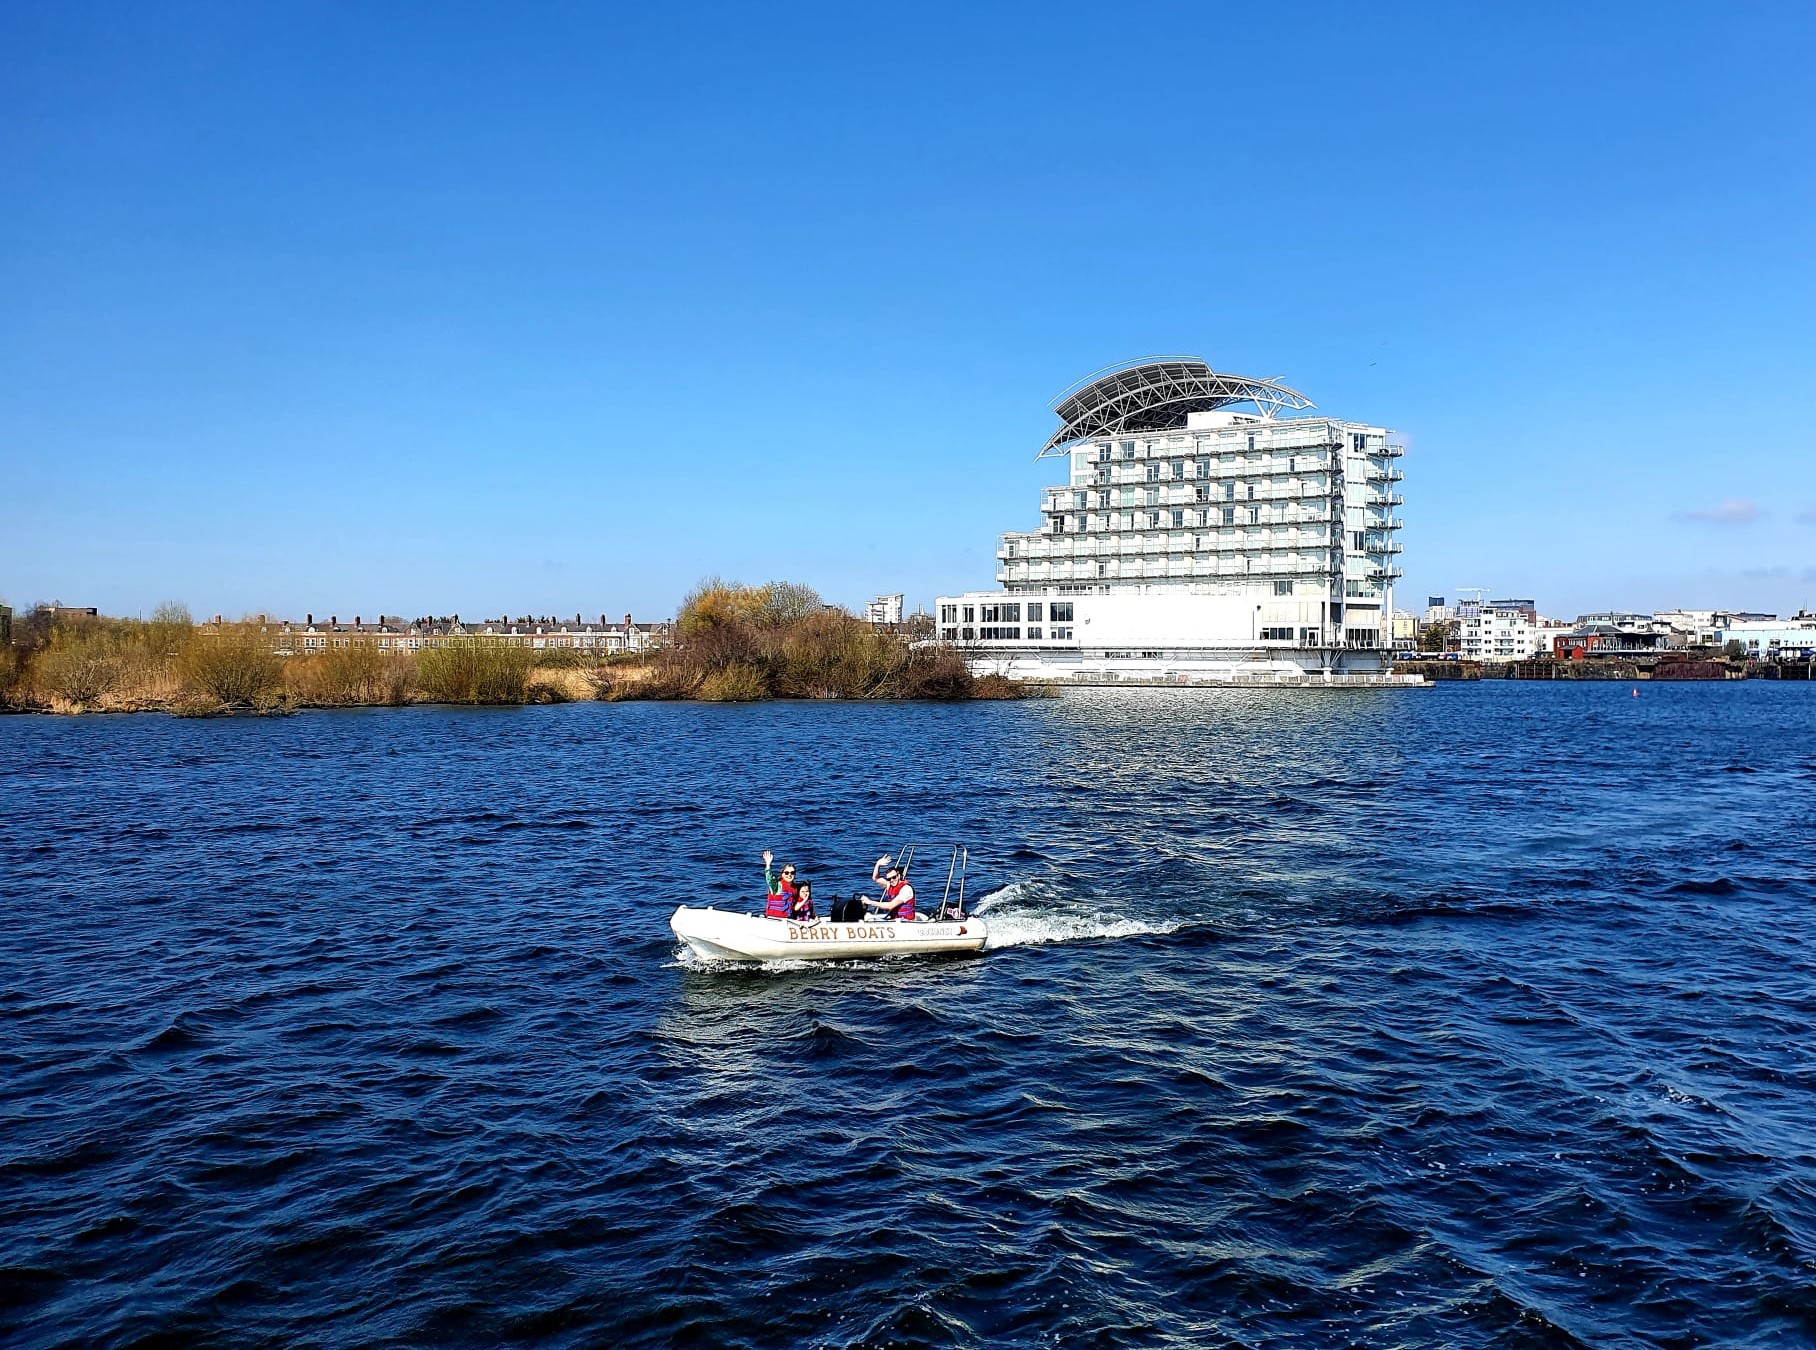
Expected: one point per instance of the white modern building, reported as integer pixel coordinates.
(884, 609)
(1200, 535)
(1503, 630)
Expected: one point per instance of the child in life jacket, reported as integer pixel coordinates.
(802, 909)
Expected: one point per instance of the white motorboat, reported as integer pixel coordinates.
(726, 935)
(729, 935)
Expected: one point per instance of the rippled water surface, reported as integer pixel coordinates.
(1471, 1016)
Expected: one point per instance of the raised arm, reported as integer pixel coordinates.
(876, 872)
(769, 877)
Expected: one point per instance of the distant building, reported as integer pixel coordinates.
(1769, 640)
(884, 609)
(1596, 639)
(1502, 631)
(6, 625)
(58, 610)
(392, 634)
(1195, 539)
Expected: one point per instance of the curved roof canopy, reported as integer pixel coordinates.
(1156, 394)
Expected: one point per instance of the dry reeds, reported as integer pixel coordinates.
(350, 677)
(474, 670)
(740, 643)
(234, 665)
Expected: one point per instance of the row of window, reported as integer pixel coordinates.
(1177, 518)
(998, 633)
(1232, 491)
(1008, 611)
(1128, 450)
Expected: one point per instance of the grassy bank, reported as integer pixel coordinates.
(733, 644)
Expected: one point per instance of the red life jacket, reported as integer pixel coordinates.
(780, 904)
(906, 913)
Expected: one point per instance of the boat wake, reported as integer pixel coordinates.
(1030, 913)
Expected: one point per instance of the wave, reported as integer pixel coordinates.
(1031, 914)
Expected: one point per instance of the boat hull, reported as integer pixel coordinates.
(724, 935)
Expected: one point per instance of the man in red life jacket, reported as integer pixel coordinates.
(779, 896)
(898, 896)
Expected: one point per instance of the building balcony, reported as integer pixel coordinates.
(1385, 475)
(1380, 574)
(1386, 500)
(1389, 451)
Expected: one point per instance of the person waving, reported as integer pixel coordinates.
(779, 894)
(898, 896)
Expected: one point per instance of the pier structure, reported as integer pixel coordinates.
(1212, 528)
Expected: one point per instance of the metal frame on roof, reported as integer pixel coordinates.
(1155, 394)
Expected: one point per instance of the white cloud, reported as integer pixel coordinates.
(1734, 511)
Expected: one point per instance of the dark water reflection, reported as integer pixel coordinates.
(1473, 1016)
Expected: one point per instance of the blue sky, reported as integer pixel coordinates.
(559, 307)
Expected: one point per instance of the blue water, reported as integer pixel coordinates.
(1472, 1016)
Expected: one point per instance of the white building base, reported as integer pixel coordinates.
(1234, 669)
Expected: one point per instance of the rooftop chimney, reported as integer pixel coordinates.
(309, 619)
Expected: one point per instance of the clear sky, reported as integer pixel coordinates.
(551, 308)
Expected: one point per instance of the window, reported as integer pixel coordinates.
(1103, 569)
(1153, 520)
(1254, 515)
(1204, 468)
(1283, 588)
(1251, 492)
(1229, 515)
(1153, 497)
(1008, 612)
(1128, 449)
(948, 635)
(1251, 442)
(1361, 637)
(1080, 500)
(1103, 500)
(1292, 464)
(1178, 520)
(1153, 473)
(1276, 635)
(970, 614)
(1150, 656)
(1179, 468)
(1202, 494)
(1000, 634)
(1034, 611)
(1059, 524)
(967, 634)
(1308, 637)
(1229, 492)
(1360, 543)
(1103, 475)
(1064, 634)
(948, 613)
(1204, 517)
(1103, 454)
(1060, 611)
(1034, 635)
(1126, 497)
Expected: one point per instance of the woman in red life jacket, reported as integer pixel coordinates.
(779, 896)
(898, 896)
